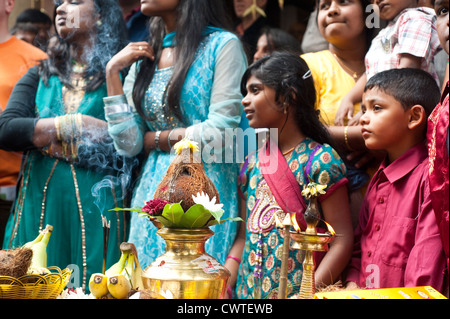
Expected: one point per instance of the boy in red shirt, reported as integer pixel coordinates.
(397, 241)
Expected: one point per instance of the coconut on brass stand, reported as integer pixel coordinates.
(186, 204)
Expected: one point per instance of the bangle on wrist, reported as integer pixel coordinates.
(346, 139)
(169, 138)
(157, 136)
(234, 258)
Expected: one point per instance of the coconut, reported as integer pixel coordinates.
(15, 263)
(185, 177)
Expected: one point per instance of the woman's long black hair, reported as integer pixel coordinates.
(111, 37)
(193, 17)
(290, 77)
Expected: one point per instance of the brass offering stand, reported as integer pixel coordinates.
(310, 241)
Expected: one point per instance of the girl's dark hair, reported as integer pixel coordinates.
(279, 40)
(110, 38)
(193, 17)
(290, 77)
(370, 31)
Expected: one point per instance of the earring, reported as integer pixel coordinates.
(99, 23)
(285, 107)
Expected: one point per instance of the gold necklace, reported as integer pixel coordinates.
(353, 74)
(73, 96)
(287, 152)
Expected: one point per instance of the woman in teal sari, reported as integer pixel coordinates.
(70, 175)
(187, 85)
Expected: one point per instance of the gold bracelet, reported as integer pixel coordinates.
(346, 139)
(58, 127)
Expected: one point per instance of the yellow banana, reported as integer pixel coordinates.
(39, 260)
(119, 286)
(35, 241)
(98, 285)
(118, 267)
(128, 271)
(136, 273)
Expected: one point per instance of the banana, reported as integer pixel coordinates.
(98, 285)
(138, 283)
(39, 260)
(35, 241)
(119, 286)
(118, 267)
(128, 271)
(135, 272)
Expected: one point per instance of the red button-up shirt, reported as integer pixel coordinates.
(397, 242)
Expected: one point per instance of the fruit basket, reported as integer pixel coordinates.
(48, 286)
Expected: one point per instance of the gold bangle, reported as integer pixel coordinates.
(58, 127)
(346, 139)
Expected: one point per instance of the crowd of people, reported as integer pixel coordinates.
(89, 116)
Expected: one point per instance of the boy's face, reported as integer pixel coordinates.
(384, 121)
(389, 9)
(441, 8)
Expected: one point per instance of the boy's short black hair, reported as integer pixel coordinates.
(408, 86)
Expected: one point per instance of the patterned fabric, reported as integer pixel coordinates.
(437, 136)
(202, 110)
(412, 32)
(261, 260)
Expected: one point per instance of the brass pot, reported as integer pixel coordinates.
(185, 271)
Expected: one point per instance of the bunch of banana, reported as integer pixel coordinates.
(38, 264)
(120, 278)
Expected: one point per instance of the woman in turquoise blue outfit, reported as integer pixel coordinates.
(184, 83)
(279, 94)
(56, 117)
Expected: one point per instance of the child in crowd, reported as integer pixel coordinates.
(279, 94)
(438, 142)
(409, 41)
(397, 242)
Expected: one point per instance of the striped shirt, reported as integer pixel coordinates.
(412, 32)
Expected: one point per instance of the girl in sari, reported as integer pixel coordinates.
(279, 94)
(56, 116)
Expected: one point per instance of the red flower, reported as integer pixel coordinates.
(155, 206)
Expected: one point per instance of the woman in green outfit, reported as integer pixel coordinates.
(70, 174)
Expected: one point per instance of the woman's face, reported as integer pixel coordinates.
(158, 7)
(262, 48)
(341, 20)
(75, 17)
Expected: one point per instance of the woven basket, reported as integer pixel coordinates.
(35, 286)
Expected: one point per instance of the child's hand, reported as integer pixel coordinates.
(351, 286)
(345, 110)
(355, 119)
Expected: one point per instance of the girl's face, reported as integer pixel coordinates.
(441, 8)
(262, 48)
(158, 7)
(341, 20)
(389, 9)
(75, 17)
(260, 106)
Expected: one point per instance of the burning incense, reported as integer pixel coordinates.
(106, 226)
